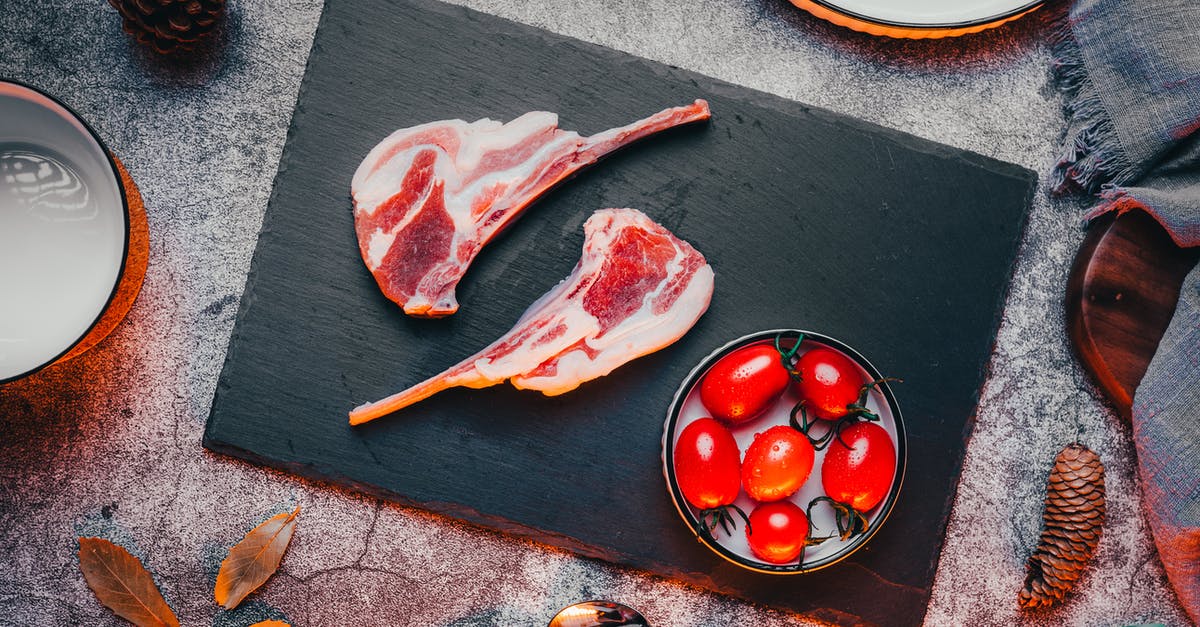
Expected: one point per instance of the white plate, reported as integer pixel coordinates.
(930, 13)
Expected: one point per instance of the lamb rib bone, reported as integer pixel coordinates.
(637, 288)
(429, 197)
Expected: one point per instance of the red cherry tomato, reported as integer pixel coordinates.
(777, 532)
(860, 474)
(829, 381)
(777, 463)
(744, 383)
(707, 460)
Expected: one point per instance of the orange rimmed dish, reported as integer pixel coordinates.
(73, 235)
(919, 19)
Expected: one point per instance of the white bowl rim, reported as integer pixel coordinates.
(836, 5)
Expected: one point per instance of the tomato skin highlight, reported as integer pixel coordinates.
(777, 463)
(707, 461)
(829, 381)
(744, 383)
(859, 475)
(777, 532)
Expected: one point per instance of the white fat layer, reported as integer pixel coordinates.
(374, 190)
(530, 354)
(364, 169)
(572, 370)
(378, 246)
(478, 141)
(372, 193)
(527, 172)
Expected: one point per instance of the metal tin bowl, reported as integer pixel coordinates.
(66, 276)
(686, 407)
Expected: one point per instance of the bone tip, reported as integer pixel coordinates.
(361, 414)
(426, 309)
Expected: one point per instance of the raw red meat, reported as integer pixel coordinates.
(428, 198)
(636, 289)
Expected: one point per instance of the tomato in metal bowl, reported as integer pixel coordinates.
(724, 532)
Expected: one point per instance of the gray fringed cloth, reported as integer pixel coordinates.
(1131, 73)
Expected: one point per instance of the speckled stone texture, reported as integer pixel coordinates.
(109, 444)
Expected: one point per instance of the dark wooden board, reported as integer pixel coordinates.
(1121, 296)
(900, 247)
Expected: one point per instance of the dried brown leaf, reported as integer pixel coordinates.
(123, 585)
(271, 623)
(252, 561)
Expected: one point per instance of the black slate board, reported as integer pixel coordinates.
(898, 246)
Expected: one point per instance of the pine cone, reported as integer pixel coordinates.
(169, 26)
(1072, 525)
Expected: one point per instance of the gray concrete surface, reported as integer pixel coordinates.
(109, 444)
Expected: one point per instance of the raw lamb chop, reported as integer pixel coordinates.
(636, 289)
(428, 198)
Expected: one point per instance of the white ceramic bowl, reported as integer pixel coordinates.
(64, 230)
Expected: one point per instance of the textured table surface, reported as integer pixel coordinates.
(109, 444)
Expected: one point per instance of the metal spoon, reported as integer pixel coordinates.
(598, 614)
